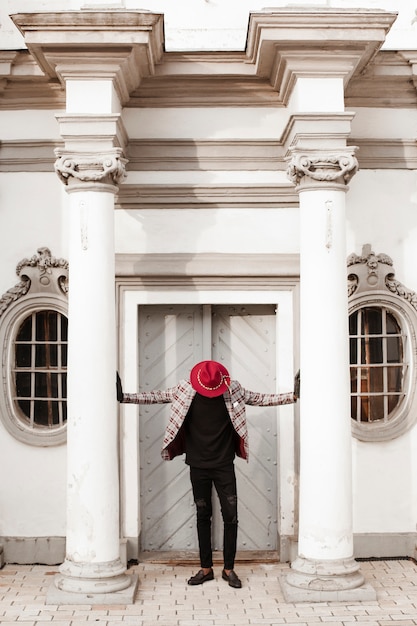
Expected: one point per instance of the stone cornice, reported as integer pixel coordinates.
(123, 46)
(284, 44)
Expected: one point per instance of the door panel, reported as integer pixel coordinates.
(244, 339)
(171, 342)
(169, 346)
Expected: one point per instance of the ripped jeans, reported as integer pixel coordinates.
(224, 480)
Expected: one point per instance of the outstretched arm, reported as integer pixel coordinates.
(273, 399)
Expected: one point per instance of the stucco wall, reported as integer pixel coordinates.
(33, 479)
(380, 210)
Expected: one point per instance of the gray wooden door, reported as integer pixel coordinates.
(172, 339)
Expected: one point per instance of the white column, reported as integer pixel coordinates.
(91, 168)
(325, 567)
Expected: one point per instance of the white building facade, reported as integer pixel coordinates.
(210, 181)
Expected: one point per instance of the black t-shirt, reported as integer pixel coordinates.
(209, 433)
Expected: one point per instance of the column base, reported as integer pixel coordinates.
(325, 581)
(92, 583)
(58, 597)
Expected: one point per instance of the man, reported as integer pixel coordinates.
(208, 423)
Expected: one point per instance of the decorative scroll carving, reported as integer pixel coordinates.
(398, 288)
(109, 167)
(14, 294)
(322, 166)
(40, 273)
(375, 271)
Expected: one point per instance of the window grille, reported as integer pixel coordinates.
(40, 369)
(377, 366)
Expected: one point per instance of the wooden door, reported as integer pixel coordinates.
(172, 339)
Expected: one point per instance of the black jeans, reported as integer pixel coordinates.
(224, 481)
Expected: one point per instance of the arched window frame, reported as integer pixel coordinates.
(43, 286)
(372, 283)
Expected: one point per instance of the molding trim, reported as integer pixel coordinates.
(215, 155)
(29, 550)
(218, 154)
(210, 80)
(206, 196)
(247, 270)
(51, 550)
(389, 545)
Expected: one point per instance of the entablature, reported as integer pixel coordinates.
(282, 44)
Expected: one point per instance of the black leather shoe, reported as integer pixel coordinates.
(232, 579)
(201, 577)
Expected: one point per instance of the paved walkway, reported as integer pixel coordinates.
(165, 599)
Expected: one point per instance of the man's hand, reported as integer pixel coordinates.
(119, 388)
(297, 384)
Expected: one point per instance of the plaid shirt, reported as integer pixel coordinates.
(181, 397)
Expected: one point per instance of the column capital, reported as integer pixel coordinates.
(106, 168)
(313, 168)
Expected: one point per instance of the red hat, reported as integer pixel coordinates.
(209, 378)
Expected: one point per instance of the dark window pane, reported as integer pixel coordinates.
(64, 355)
(393, 402)
(394, 351)
(353, 323)
(25, 330)
(46, 355)
(372, 321)
(394, 376)
(46, 326)
(376, 380)
(64, 328)
(353, 405)
(41, 388)
(371, 350)
(25, 407)
(376, 405)
(392, 325)
(23, 384)
(353, 379)
(40, 358)
(41, 413)
(64, 385)
(365, 408)
(23, 355)
(353, 351)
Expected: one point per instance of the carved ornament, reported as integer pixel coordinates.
(109, 167)
(42, 273)
(375, 271)
(322, 166)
